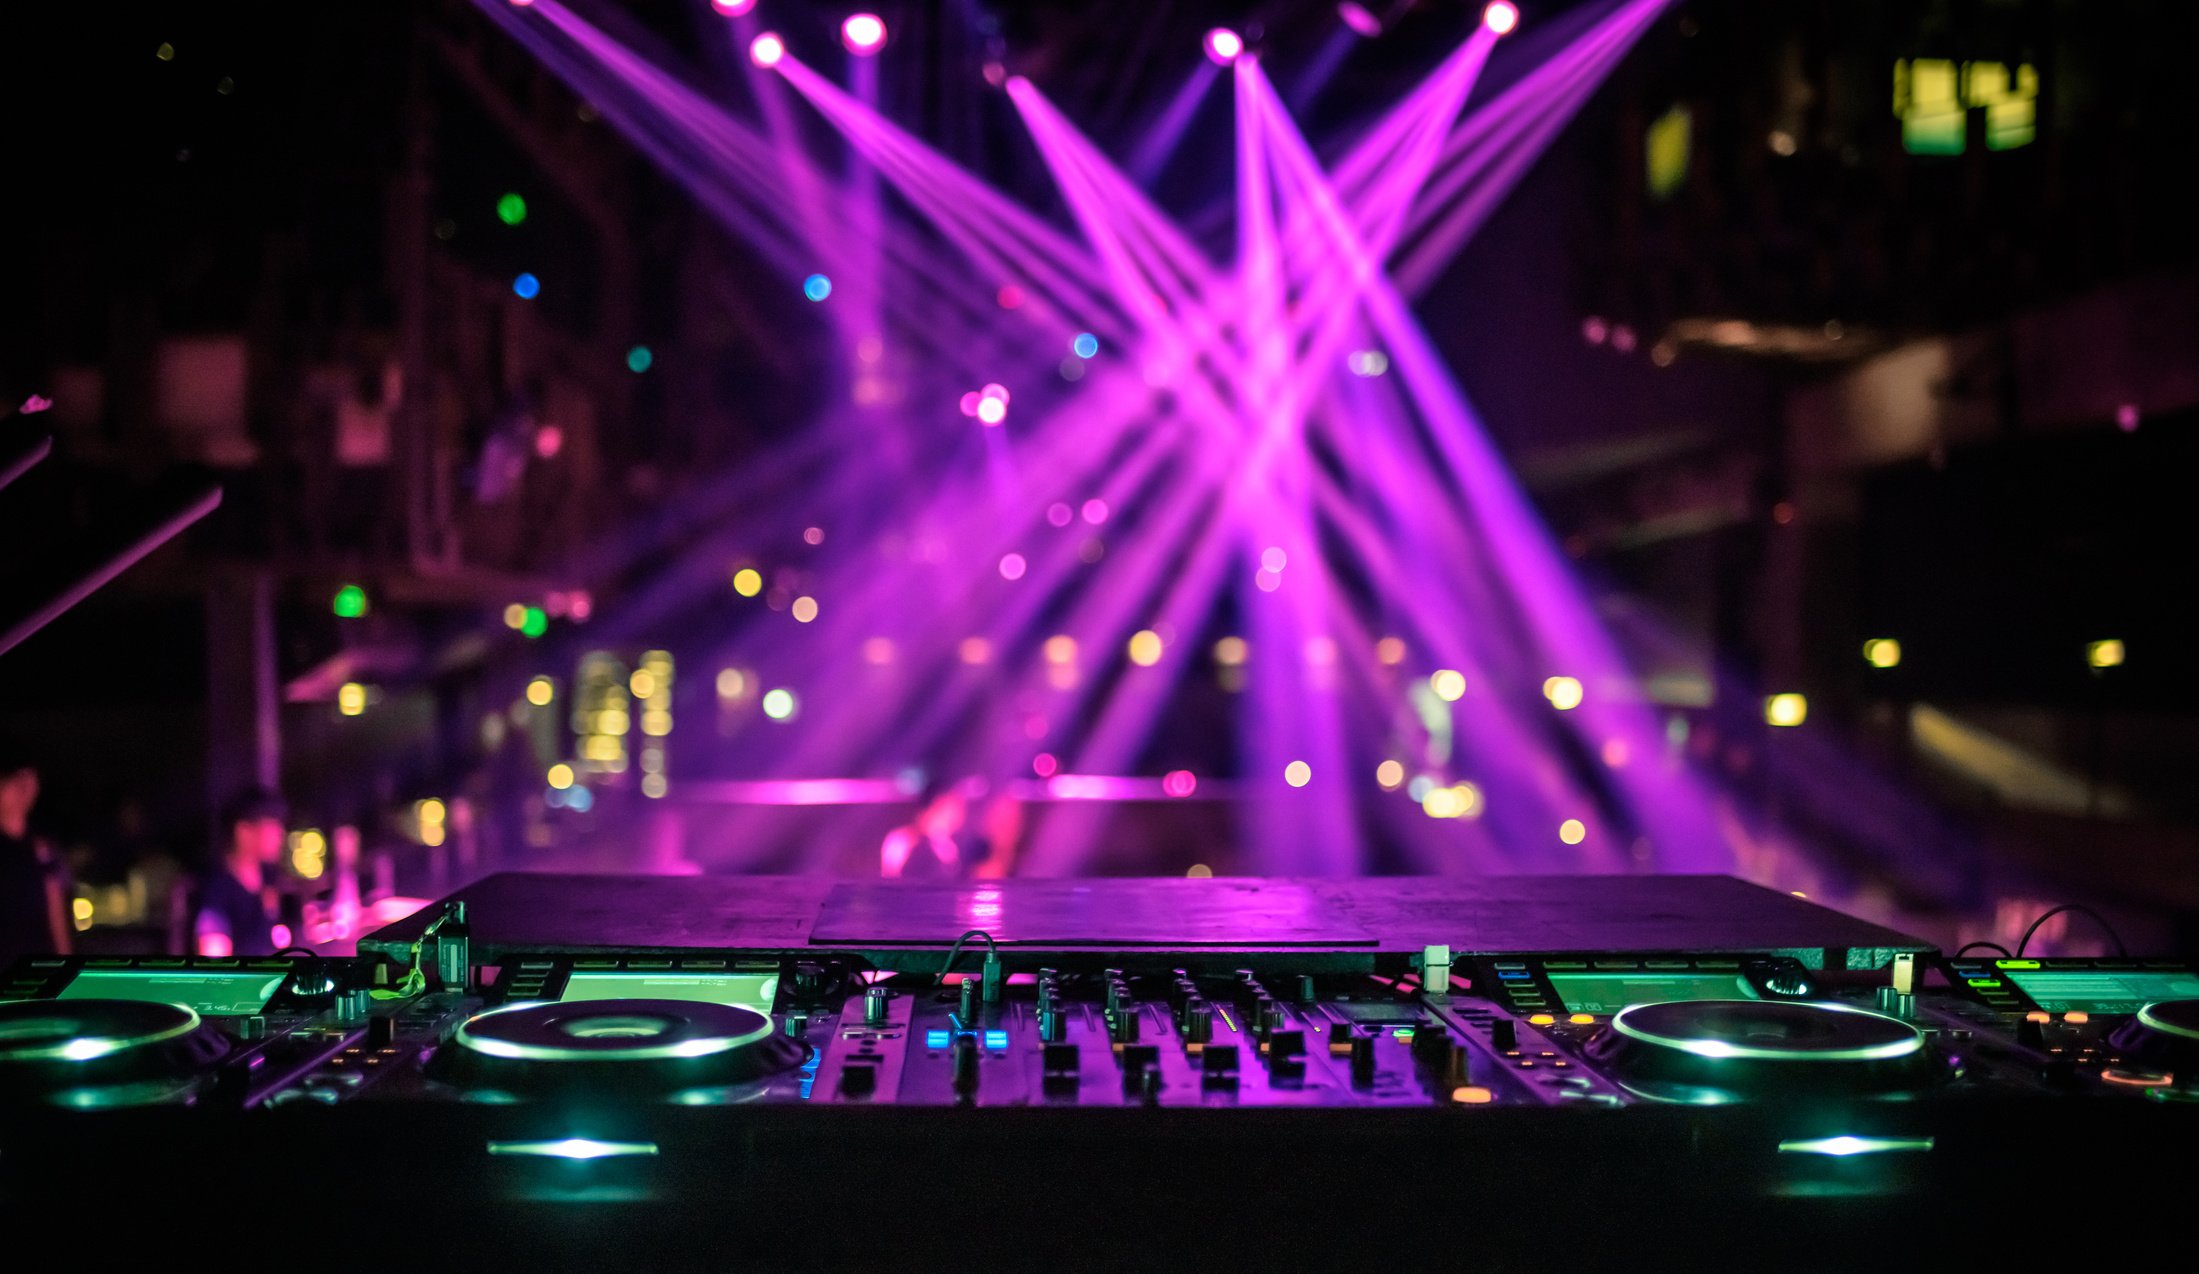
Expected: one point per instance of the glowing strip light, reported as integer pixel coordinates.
(85, 1048)
(2147, 1019)
(578, 1148)
(1722, 1050)
(1842, 1147)
(708, 1046)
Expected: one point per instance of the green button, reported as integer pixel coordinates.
(1984, 981)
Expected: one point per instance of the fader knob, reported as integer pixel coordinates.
(965, 1065)
(874, 1005)
(1198, 1022)
(1053, 1025)
(1126, 1022)
(967, 1011)
(858, 1080)
(2031, 1034)
(1504, 1033)
(1362, 1060)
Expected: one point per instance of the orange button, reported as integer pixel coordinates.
(2076, 1018)
(1472, 1095)
(1541, 1019)
(2037, 1016)
(1581, 1019)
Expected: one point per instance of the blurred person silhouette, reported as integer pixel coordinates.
(925, 847)
(34, 917)
(943, 841)
(232, 905)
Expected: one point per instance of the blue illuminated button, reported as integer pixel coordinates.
(996, 1039)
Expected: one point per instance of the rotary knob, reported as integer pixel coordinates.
(874, 1005)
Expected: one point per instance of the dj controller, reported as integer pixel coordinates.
(1512, 1071)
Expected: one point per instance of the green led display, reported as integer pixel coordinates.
(2102, 990)
(214, 992)
(1610, 992)
(745, 990)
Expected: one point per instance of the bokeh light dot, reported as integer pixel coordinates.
(804, 609)
(1572, 831)
(1095, 511)
(1389, 776)
(816, 287)
(991, 411)
(1012, 566)
(748, 581)
(779, 704)
(1145, 648)
(1085, 345)
(639, 359)
(1449, 684)
(526, 287)
(1298, 774)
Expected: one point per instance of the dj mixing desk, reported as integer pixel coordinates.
(1512, 1072)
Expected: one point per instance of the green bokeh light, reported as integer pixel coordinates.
(511, 209)
(639, 358)
(350, 602)
(536, 623)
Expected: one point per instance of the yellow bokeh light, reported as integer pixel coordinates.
(561, 776)
(306, 864)
(612, 721)
(748, 581)
(643, 683)
(1786, 709)
(1572, 831)
(431, 834)
(1145, 648)
(656, 723)
(1460, 800)
(804, 609)
(1882, 652)
(515, 616)
(310, 841)
(1564, 693)
(81, 908)
(1449, 684)
(653, 786)
(430, 811)
(1200, 871)
(1390, 650)
(1298, 774)
(1390, 775)
(975, 650)
(2104, 654)
(351, 698)
(779, 705)
(1230, 652)
(1061, 648)
(540, 691)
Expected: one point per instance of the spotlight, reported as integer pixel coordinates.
(1501, 17)
(1223, 45)
(863, 34)
(732, 8)
(766, 49)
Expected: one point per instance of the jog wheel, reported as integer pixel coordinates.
(612, 1049)
(94, 1053)
(2159, 1046)
(1717, 1051)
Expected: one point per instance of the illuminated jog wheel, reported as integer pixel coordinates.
(104, 1052)
(614, 1048)
(2163, 1039)
(1717, 1051)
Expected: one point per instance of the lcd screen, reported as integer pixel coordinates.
(1610, 992)
(211, 992)
(2103, 990)
(748, 990)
